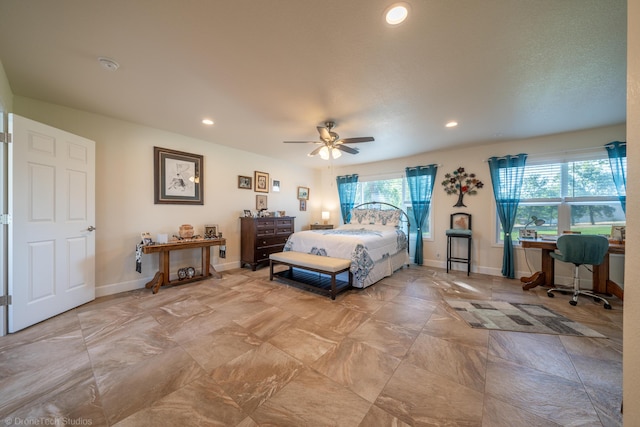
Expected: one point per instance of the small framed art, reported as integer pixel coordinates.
(244, 182)
(178, 177)
(303, 205)
(210, 231)
(303, 193)
(276, 186)
(262, 182)
(261, 202)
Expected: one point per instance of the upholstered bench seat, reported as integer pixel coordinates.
(319, 264)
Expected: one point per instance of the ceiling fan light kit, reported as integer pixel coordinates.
(332, 145)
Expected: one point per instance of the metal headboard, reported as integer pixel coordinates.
(404, 218)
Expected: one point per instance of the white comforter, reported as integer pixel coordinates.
(375, 251)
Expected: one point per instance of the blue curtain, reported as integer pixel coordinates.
(506, 177)
(420, 180)
(618, 160)
(347, 186)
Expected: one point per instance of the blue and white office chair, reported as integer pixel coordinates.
(580, 249)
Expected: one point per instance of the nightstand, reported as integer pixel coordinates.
(321, 227)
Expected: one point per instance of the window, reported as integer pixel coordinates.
(577, 194)
(393, 190)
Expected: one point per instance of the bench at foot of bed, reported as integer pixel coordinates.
(319, 264)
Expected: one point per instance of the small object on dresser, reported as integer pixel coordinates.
(186, 231)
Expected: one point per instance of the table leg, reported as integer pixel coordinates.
(155, 282)
(600, 276)
(544, 277)
(207, 268)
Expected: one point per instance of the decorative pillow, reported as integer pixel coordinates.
(363, 216)
(389, 217)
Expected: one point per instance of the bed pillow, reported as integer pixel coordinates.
(363, 216)
(389, 217)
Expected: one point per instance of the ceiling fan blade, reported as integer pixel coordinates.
(301, 142)
(347, 149)
(316, 151)
(324, 133)
(358, 139)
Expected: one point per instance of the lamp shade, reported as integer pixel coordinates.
(325, 216)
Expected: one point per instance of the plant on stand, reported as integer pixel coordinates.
(460, 182)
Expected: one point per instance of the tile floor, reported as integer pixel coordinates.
(244, 351)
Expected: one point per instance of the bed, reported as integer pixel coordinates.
(375, 241)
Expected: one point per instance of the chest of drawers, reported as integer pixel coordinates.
(261, 237)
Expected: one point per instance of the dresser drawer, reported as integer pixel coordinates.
(262, 254)
(263, 242)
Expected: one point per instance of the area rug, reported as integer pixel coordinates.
(519, 317)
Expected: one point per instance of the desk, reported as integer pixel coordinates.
(601, 282)
(161, 278)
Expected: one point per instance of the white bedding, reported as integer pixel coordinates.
(375, 251)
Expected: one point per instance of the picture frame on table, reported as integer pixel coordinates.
(245, 182)
(178, 177)
(210, 231)
(247, 213)
(618, 233)
(261, 182)
(303, 193)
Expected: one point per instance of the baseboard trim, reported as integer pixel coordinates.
(132, 285)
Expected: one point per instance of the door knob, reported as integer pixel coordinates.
(91, 228)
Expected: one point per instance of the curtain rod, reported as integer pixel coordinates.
(575, 150)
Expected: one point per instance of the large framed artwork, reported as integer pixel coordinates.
(261, 180)
(178, 177)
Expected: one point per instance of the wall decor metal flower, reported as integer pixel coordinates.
(460, 182)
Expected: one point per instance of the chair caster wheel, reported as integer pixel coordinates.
(550, 294)
(607, 306)
(574, 303)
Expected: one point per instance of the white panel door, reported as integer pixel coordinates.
(51, 180)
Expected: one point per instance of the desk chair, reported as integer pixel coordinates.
(580, 249)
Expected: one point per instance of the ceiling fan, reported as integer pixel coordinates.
(331, 143)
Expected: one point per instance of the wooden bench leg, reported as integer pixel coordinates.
(333, 286)
(270, 269)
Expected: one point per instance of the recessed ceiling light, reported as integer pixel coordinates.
(451, 124)
(397, 13)
(108, 63)
(207, 121)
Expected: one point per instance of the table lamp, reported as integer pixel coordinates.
(325, 217)
(534, 234)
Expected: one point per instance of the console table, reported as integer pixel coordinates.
(161, 278)
(601, 282)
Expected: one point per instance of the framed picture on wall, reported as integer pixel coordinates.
(178, 177)
(244, 182)
(262, 182)
(303, 205)
(303, 193)
(261, 202)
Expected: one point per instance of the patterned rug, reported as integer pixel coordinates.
(520, 317)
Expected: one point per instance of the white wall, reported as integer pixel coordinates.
(631, 331)
(487, 256)
(125, 199)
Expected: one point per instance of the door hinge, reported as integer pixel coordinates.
(5, 300)
(5, 137)
(5, 219)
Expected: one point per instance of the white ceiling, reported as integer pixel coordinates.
(272, 70)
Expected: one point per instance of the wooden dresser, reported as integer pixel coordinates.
(261, 237)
